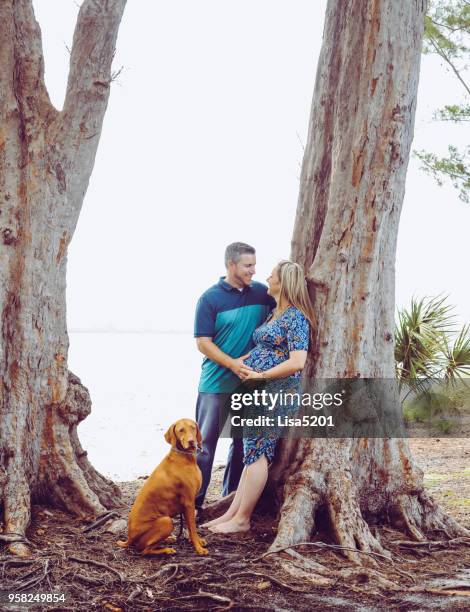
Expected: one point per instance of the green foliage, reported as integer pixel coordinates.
(453, 112)
(455, 167)
(459, 395)
(457, 354)
(434, 408)
(429, 406)
(447, 34)
(429, 345)
(444, 425)
(446, 28)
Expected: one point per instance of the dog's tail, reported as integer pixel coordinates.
(123, 544)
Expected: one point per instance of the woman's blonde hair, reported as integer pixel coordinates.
(294, 289)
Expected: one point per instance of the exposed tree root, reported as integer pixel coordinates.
(320, 575)
(417, 514)
(305, 575)
(17, 507)
(305, 492)
(433, 544)
(65, 478)
(104, 518)
(302, 496)
(414, 515)
(323, 483)
(97, 564)
(78, 397)
(353, 483)
(348, 527)
(306, 563)
(271, 578)
(365, 575)
(215, 509)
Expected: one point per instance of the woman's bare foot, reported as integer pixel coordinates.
(232, 526)
(221, 519)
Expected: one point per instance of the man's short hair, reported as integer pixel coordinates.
(235, 250)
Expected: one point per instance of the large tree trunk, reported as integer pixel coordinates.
(46, 159)
(351, 194)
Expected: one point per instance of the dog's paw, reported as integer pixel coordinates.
(202, 551)
(158, 551)
(202, 541)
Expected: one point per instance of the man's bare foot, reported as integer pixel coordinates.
(231, 526)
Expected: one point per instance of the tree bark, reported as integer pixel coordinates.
(351, 193)
(46, 159)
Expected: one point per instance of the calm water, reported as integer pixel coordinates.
(139, 383)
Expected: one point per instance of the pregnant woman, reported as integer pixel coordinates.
(279, 355)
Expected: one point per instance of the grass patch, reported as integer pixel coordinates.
(436, 410)
(432, 478)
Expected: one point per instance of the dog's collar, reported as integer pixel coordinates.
(183, 452)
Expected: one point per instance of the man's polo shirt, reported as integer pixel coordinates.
(229, 316)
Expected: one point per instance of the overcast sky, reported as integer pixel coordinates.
(202, 145)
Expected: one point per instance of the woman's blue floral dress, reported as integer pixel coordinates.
(273, 342)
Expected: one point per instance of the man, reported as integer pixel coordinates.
(227, 314)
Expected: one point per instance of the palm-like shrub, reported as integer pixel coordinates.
(429, 344)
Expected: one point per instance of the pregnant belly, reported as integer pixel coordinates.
(264, 358)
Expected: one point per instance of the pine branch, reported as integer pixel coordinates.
(440, 51)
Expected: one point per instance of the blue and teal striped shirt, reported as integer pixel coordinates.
(229, 316)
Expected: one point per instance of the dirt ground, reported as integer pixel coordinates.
(83, 562)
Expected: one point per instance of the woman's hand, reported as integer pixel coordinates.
(249, 374)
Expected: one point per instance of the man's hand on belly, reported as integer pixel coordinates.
(239, 368)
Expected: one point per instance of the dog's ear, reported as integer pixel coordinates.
(170, 435)
(198, 438)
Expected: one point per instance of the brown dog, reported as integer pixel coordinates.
(170, 490)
